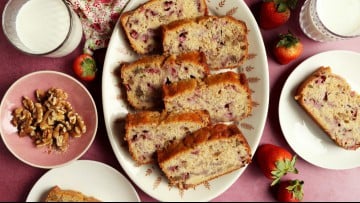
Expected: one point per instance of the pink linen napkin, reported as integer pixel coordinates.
(98, 19)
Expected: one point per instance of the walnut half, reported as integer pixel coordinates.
(50, 120)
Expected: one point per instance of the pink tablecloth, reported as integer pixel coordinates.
(17, 178)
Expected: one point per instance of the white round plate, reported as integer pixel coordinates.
(148, 177)
(89, 177)
(303, 135)
(24, 148)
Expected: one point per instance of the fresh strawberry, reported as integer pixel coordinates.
(290, 191)
(288, 48)
(275, 162)
(274, 13)
(84, 67)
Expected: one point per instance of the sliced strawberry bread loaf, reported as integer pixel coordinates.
(148, 131)
(223, 39)
(333, 105)
(144, 78)
(142, 24)
(203, 155)
(57, 194)
(226, 96)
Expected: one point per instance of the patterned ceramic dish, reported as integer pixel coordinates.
(148, 177)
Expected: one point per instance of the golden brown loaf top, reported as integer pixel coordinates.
(144, 77)
(203, 155)
(226, 96)
(142, 25)
(333, 105)
(223, 39)
(148, 131)
(56, 194)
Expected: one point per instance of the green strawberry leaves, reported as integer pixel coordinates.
(296, 188)
(282, 5)
(287, 40)
(282, 168)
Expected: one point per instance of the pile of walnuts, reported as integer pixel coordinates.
(50, 120)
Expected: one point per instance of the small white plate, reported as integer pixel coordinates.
(302, 134)
(89, 177)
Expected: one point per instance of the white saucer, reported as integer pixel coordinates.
(91, 178)
(300, 131)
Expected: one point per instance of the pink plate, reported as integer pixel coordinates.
(23, 148)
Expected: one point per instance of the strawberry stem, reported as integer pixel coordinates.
(287, 40)
(282, 5)
(89, 66)
(292, 4)
(282, 168)
(296, 189)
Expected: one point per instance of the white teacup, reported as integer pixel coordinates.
(42, 27)
(330, 20)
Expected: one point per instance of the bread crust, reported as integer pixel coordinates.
(147, 131)
(208, 94)
(223, 39)
(144, 77)
(142, 24)
(56, 194)
(328, 99)
(171, 158)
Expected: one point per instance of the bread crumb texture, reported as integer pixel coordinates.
(333, 105)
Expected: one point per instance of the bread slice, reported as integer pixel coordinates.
(333, 105)
(148, 131)
(142, 25)
(206, 154)
(144, 78)
(226, 96)
(56, 194)
(223, 39)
